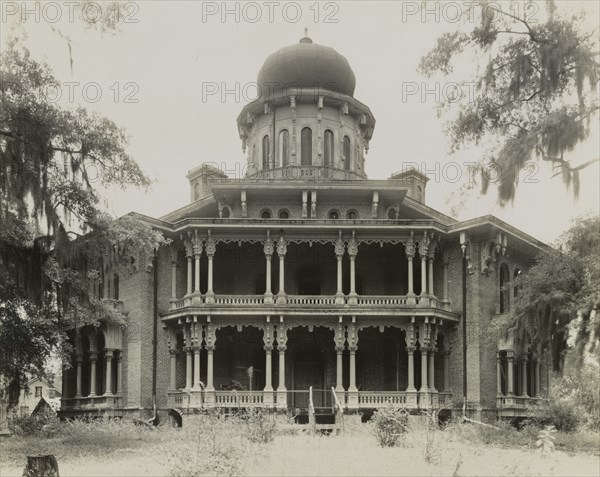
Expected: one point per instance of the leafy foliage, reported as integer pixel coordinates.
(56, 241)
(390, 424)
(535, 93)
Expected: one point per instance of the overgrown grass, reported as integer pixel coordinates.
(250, 444)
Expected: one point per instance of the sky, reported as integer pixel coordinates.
(152, 78)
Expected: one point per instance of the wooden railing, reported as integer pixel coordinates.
(309, 300)
(337, 409)
(381, 398)
(239, 398)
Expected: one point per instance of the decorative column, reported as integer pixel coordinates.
(281, 251)
(118, 391)
(432, 388)
(352, 348)
(537, 378)
(173, 369)
(210, 338)
(411, 369)
(189, 255)
(93, 358)
(411, 391)
(339, 339)
(446, 371)
(188, 367)
(268, 249)
(510, 356)
(211, 248)
(424, 390)
(79, 359)
(423, 246)
(410, 255)
(173, 273)
(352, 252)
(268, 347)
(498, 375)
(524, 359)
(108, 356)
(281, 347)
(196, 350)
(430, 258)
(197, 256)
(339, 250)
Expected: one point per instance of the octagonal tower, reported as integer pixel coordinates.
(306, 123)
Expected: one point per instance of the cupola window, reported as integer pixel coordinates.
(284, 214)
(306, 147)
(328, 148)
(265, 214)
(265, 152)
(347, 153)
(334, 214)
(284, 148)
(504, 295)
(352, 214)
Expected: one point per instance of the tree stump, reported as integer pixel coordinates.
(41, 466)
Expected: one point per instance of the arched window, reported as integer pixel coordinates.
(392, 214)
(419, 194)
(306, 147)
(225, 212)
(352, 214)
(284, 147)
(265, 152)
(328, 148)
(334, 214)
(284, 214)
(196, 191)
(516, 284)
(265, 214)
(347, 153)
(504, 294)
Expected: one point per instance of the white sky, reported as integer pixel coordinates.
(170, 52)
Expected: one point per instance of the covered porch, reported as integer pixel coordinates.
(363, 363)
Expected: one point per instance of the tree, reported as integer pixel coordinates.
(55, 238)
(535, 93)
(559, 296)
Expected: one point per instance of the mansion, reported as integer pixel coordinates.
(305, 283)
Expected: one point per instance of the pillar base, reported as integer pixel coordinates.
(339, 299)
(352, 299)
(268, 398)
(424, 400)
(411, 299)
(281, 398)
(268, 298)
(209, 396)
(281, 298)
(196, 298)
(411, 397)
(352, 398)
(209, 298)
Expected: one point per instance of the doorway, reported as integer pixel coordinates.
(309, 370)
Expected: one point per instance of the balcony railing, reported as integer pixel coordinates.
(294, 172)
(239, 398)
(381, 398)
(310, 301)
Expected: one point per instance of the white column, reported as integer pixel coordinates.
(188, 367)
(211, 248)
(209, 368)
(173, 371)
(352, 387)
(210, 338)
(423, 370)
(268, 369)
(510, 356)
(119, 373)
(78, 384)
(281, 275)
(445, 298)
(197, 367)
(432, 370)
(352, 252)
(411, 370)
(197, 272)
(524, 377)
(189, 275)
(339, 370)
(423, 275)
(173, 276)
(268, 250)
(108, 355)
(498, 374)
(430, 260)
(93, 357)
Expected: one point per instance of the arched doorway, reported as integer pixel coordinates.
(309, 370)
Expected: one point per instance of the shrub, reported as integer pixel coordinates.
(31, 425)
(260, 425)
(389, 424)
(561, 414)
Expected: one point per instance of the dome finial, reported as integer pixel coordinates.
(306, 39)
